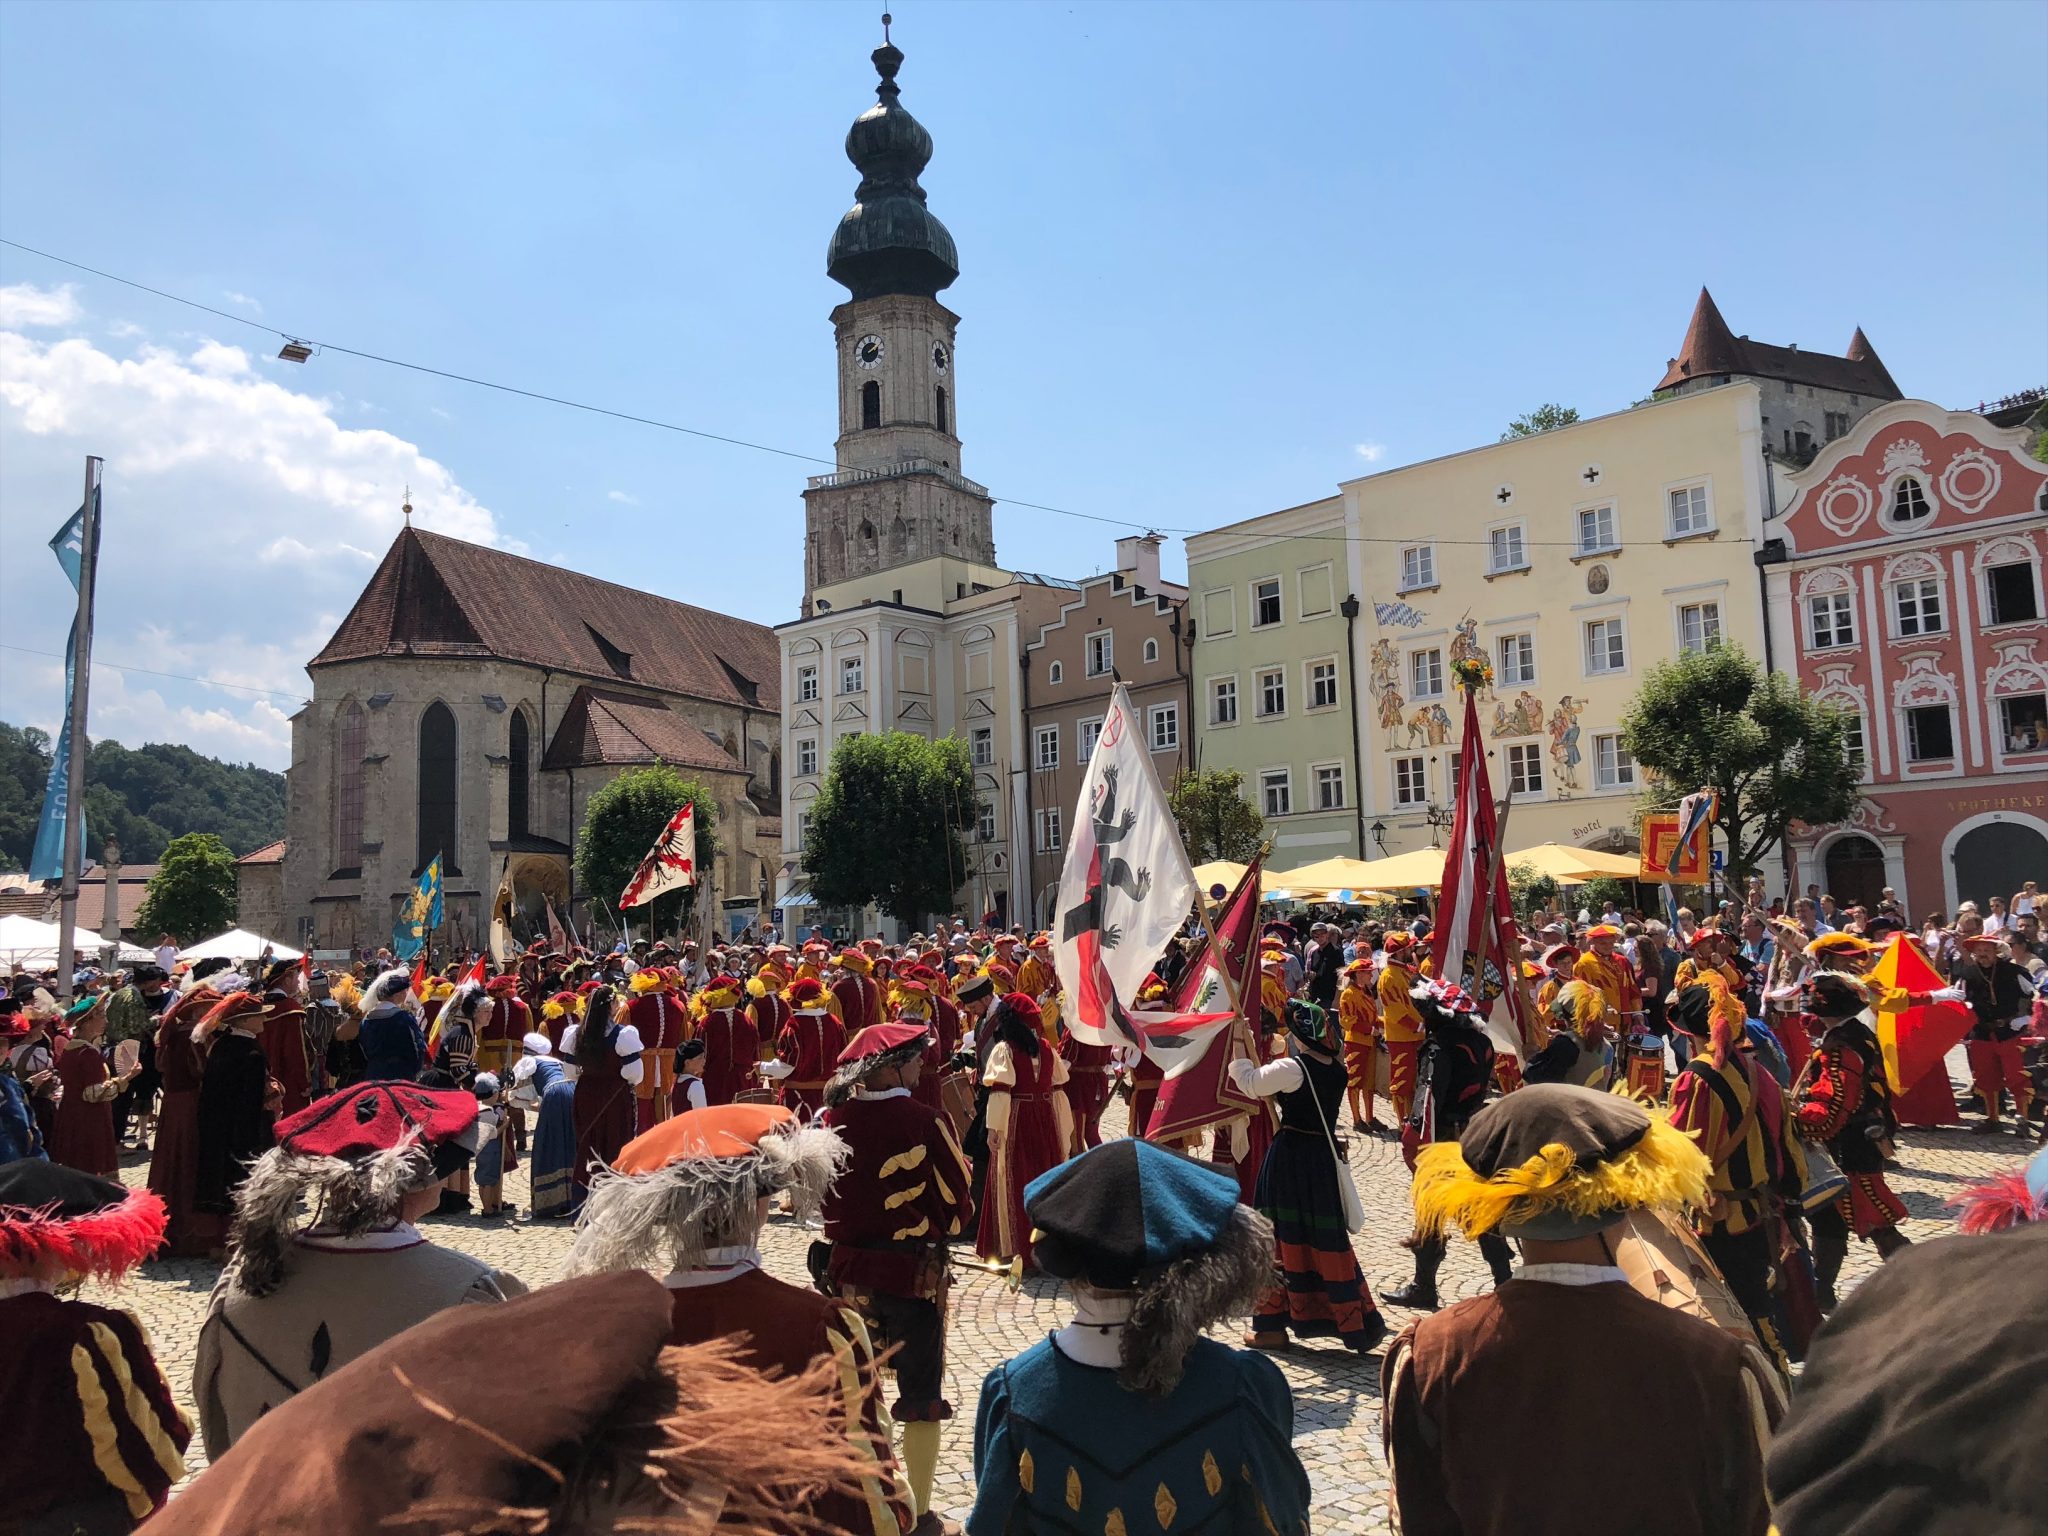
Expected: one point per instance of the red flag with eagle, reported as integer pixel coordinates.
(1475, 945)
(670, 864)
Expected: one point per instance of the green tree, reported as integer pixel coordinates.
(1216, 820)
(1715, 720)
(24, 771)
(622, 822)
(1545, 418)
(886, 826)
(192, 894)
(1529, 887)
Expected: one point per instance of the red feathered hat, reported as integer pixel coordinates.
(806, 994)
(586, 988)
(90, 1226)
(1399, 942)
(877, 1039)
(376, 1117)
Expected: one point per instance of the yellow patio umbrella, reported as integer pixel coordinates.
(1404, 871)
(1221, 872)
(1326, 875)
(1575, 866)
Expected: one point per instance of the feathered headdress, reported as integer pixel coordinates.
(90, 1226)
(2011, 1199)
(1579, 1006)
(390, 987)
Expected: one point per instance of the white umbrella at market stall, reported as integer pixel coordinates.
(24, 941)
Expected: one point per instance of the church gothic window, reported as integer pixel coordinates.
(518, 799)
(349, 727)
(939, 407)
(871, 404)
(439, 770)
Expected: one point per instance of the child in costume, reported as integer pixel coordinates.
(1127, 1419)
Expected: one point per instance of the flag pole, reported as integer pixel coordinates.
(81, 678)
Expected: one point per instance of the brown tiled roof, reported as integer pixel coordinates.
(436, 596)
(40, 903)
(603, 726)
(1711, 348)
(269, 853)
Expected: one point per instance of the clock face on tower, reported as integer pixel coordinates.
(940, 357)
(869, 352)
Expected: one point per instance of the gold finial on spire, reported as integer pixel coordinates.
(406, 508)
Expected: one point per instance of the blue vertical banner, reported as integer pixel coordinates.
(47, 861)
(420, 915)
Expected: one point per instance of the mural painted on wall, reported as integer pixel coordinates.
(1385, 687)
(1521, 717)
(1465, 647)
(1429, 726)
(1564, 741)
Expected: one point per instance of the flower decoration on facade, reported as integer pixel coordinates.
(1473, 673)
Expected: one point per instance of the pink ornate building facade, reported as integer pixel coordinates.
(1903, 581)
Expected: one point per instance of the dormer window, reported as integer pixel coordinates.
(1909, 501)
(621, 662)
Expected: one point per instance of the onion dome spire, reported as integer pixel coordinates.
(888, 241)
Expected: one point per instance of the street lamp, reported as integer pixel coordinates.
(1379, 834)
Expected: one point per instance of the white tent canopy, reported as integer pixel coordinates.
(238, 944)
(24, 941)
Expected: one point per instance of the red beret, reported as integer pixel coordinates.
(502, 986)
(376, 1117)
(1024, 1006)
(877, 1038)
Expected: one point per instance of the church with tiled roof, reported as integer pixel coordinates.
(470, 704)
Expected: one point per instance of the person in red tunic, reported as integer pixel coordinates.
(607, 1057)
(284, 1034)
(732, 1048)
(692, 1195)
(767, 1007)
(174, 1162)
(858, 994)
(557, 1014)
(499, 1030)
(806, 1049)
(661, 1016)
(1029, 1129)
(902, 1194)
(1089, 1068)
(82, 1136)
(913, 1000)
(94, 1439)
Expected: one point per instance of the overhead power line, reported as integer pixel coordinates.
(301, 338)
(182, 677)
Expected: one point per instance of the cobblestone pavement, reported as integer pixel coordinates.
(1336, 1394)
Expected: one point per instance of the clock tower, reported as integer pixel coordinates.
(898, 497)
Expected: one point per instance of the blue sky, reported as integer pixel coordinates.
(1215, 259)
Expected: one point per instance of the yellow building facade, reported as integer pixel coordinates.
(1573, 561)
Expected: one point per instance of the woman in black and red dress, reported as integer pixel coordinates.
(608, 1069)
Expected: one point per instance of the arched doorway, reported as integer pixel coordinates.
(1855, 872)
(1995, 859)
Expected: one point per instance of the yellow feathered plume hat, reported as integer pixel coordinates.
(1551, 1161)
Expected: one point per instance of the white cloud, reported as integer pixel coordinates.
(241, 521)
(625, 497)
(242, 300)
(26, 304)
(1370, 451)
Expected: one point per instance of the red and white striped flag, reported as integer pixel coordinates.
(1474, 944)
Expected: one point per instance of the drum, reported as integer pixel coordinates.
(1665, 1263)
(956, 1097)
(754, 1096)
(1646, 1069)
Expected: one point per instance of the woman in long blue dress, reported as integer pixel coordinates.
(541, 1080)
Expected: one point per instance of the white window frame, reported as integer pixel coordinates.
(1855, 737)
(1418, 567)
(1413, 768)
(1046, 836)
(1998, 723)
(1216, 688)
(1529, 755)
(1279, 601)
(1431, 687)
(1705, 607)
(806, 746)
(807, 683)
(1281, 779)
(1841, 613)
(1906, 733)
(1098, 650)
(1925, 590)
(1151, 651)
(1521, 639)
(1054, 672)
(1984, 586)
(1318, 776)
(1045, 747)
(981, 745)
(985, 830)
(1581, 549)
(1301, 576)
(853, 675)
(803, 830)
(1608, 668)
(1705, 503)
(1086, 734)
(1308, 678)
(1260, 677)
(1613, 768)
(1519, 530)
(1157, 715)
